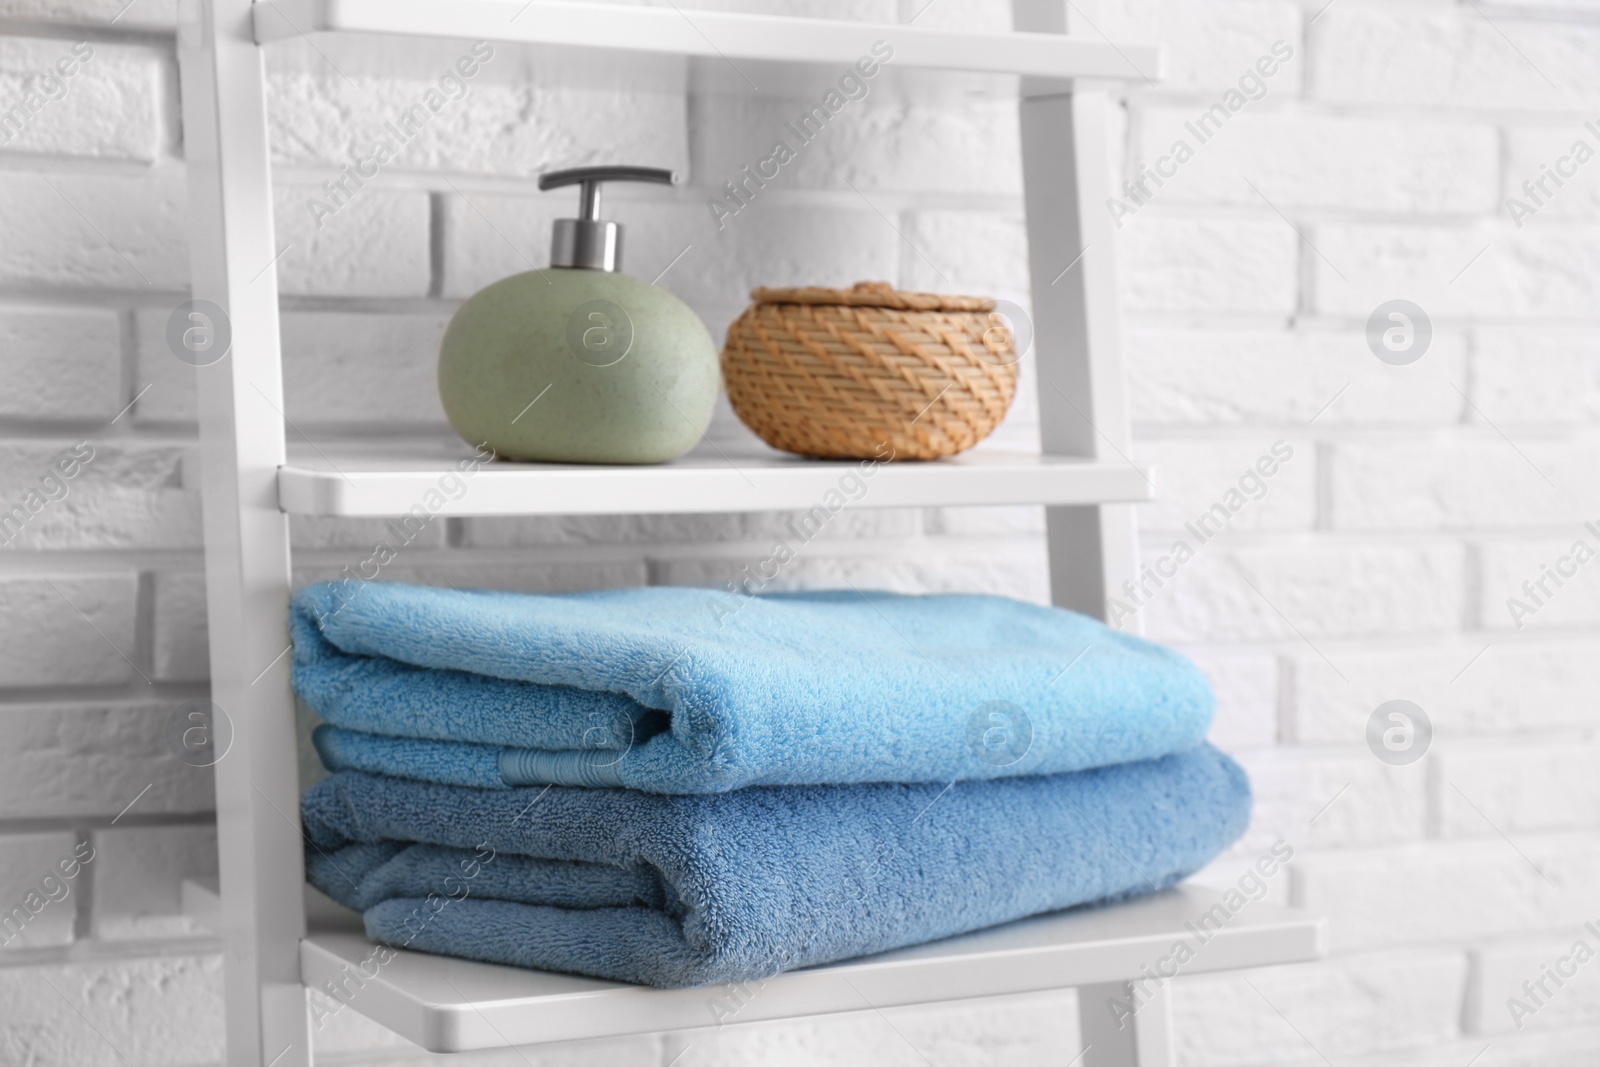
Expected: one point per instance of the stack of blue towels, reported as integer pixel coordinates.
(676, 786)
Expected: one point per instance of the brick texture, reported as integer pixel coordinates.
(81, 99)
(93, 230)
(1305, 161)
(38, 898)
(1446, 57)
(92, 760)
(68, 363)
(77, 630)
(111, 1013)
(138, 875)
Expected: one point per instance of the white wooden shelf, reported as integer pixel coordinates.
(1035, 63)
(251, 478)
(369, 480)
(451, 1005)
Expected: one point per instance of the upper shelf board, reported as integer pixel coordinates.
(712, 478)
(451, 1005)
(747, 45)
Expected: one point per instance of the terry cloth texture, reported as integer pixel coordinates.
(679, 690)
(683, 890)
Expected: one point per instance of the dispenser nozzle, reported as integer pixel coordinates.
(588, 241)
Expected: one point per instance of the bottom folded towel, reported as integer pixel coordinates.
(683, 890)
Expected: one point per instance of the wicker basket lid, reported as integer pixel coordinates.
(873, 294)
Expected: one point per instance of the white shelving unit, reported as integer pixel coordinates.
(252, 484)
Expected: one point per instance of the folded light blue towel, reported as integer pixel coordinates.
(682, 890)
(680, 690)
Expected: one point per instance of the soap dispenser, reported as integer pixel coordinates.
(579, 363)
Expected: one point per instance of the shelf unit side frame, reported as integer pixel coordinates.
(1072, 260)
(1092, 549)
(247, 555)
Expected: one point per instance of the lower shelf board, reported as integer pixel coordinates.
(429, 475)
(450, 1005)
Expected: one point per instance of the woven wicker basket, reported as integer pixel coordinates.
(869, 371)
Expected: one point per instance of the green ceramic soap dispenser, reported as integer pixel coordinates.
(580, 363)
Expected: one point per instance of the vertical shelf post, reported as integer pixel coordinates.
(232, 254)
(1142, 1040)
(1072, 260)
(1093, 549)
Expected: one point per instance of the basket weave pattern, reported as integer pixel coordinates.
(856, 373)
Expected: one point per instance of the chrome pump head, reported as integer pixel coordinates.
(588, 241)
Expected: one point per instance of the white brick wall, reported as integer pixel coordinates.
(63, 363)
(139, 872)
(33, 881)
(100, 100)
(1429, 55)
(1352, 1006)
(1208, 266)
(1376, 567)
(93, 229)
(1330, 162)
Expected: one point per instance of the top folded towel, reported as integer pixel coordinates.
(682, 690)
